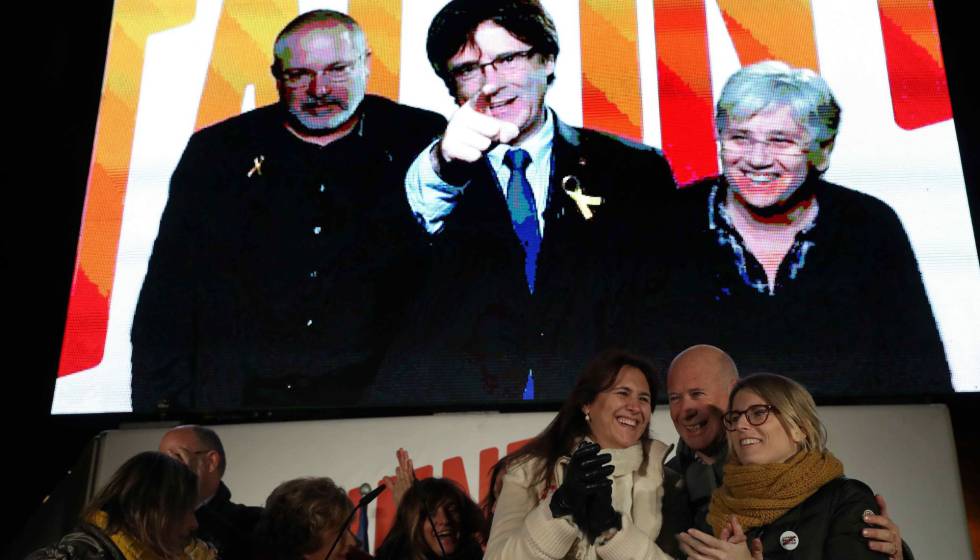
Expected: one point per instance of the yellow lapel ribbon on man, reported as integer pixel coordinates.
(584, 202)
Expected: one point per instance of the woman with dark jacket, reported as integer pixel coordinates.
(784, 495)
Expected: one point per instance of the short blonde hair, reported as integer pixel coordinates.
(797, 411)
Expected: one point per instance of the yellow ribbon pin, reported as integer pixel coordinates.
(257, 168)
(573, 187)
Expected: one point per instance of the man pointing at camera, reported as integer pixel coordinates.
(531, 220)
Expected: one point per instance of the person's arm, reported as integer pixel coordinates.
(431, 198)
(908, 331)
(845, 532)
(676, 512)
(403, 479)
(437, 177)
(524, 527)
(629, 541)
(163, 332)
(883, 534)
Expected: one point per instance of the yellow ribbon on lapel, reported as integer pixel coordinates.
(584, 202)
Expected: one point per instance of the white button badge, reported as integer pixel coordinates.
(789, 540)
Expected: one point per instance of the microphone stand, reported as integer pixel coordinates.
(364, 501)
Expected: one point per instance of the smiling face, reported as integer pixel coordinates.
(770, 442)
(336, 67)
(765, 157)
(620, 415)
(515, 95)
(698, 385)
(446, 529)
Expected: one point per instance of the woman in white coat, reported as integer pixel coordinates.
(591, 484)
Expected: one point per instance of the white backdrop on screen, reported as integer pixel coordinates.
(916, 172)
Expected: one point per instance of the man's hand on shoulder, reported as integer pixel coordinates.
(887, 539)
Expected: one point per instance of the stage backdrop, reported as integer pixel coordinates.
(905, 453)
(645, 69)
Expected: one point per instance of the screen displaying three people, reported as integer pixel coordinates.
(334, 247)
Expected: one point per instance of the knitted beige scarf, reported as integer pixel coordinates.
(761, 494)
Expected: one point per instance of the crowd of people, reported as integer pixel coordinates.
(752, 477)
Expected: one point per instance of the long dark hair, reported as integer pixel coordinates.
(146, 497)
(407, 539)
(569, 425)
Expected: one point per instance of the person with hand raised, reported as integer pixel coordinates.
(534, 224)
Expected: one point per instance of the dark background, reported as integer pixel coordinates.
(54, 69)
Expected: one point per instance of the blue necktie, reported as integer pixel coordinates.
(523, 211)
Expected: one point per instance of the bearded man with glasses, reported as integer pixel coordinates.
(286, 249)
(789, 272)
(533, 223)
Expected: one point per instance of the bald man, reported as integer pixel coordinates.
(699, 381)
(226, 525)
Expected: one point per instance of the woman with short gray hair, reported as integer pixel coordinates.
(789, 272)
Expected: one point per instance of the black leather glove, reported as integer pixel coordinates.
(601, 515)
(586, 474)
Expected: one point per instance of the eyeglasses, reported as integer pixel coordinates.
(756, 415)
(505, 63)
(336, 73)
(742, 143)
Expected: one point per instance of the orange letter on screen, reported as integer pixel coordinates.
(241, 56)
(381, 21)
(610, 68)
(91, 288)
(759, 31)
(765, 30)
(916, 73)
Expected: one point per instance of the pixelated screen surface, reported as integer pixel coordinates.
(649, 71)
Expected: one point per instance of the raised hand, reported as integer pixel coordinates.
(404, 476)
(600, 515)
(471, 132)
(587, 473)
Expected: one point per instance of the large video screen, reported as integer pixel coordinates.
(285, 274)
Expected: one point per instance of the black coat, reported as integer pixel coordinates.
(826, 525)
(477, 330)
(228, 526)
(852, 319)
(279, 285)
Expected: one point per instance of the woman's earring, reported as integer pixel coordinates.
(588, 419)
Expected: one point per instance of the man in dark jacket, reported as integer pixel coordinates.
(286, 248)
(699, 381)
(224, 524)
(533, 223)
